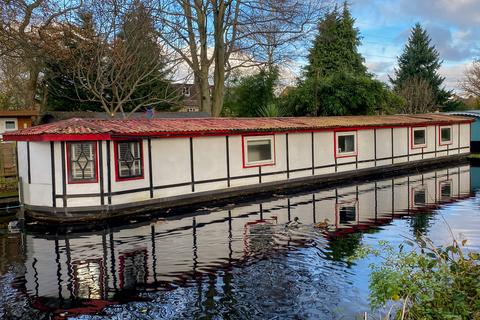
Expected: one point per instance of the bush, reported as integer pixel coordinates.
(427, 281)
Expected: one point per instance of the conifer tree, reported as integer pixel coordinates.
(336, 81)
(336, 46)
(421, 60)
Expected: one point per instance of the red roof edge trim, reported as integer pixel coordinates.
(112, 135)
(57, 137)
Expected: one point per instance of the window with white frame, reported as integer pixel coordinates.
(259, 150)
(129, 162)
(82, 161)
(346, 143)
(419, 138)
(186, 91)
(10, 125)
(445, 135)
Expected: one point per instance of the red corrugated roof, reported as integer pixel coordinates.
(98, 129)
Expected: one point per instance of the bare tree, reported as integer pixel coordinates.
(119, 63)
(24, 34)
(13, 81)
(206, 33)
(471, 82)
(418, 94)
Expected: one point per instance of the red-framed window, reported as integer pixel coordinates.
(445, 135)
(82, 162)
(419, 196)
(258, 150)
(346, 144)
(418, 137)
(128, 160)
(445, 190)
(346, 212)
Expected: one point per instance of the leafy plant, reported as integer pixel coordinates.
(271, 110)
(425, 281)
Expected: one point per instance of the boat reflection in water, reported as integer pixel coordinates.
(84, 272)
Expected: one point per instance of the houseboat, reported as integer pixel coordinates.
(475, 128)
(82, 169)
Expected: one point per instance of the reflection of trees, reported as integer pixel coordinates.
(11, 251)
(420, 223)
(342, 247)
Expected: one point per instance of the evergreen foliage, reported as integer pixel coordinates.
(335, 48)
(420, 59)
(139, 38)
(136, 37)
(336, 81)
(251, 96)
(59, 81)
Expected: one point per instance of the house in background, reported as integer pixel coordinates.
(190, 96)
(11, 120)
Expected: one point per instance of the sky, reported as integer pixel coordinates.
(453, 25)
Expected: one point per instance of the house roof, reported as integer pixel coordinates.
(18, 113)
(98, 129)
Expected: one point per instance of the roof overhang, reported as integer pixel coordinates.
(11, 136)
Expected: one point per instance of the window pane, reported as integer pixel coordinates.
(446, 191)
(445, 134)
(129, 159)
(420, 197)
(10, 125)
(82, 161)
(259, 150)
(418, 137)
(346, 143)
(347, 214)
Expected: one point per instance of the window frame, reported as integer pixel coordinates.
(339, 154)
(15, 124)
(413, 203)
(186, 91)
(441, 184)
(246, 139)
(69, 163)
(346, 203)
(116, 159)
(412, 138)
(440, 141)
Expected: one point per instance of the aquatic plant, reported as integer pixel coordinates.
(420, 280)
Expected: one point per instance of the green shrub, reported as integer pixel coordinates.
(426, 281)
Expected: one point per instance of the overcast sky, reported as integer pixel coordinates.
(454, 26)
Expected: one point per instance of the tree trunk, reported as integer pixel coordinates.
(219, 58)
(218, 84)
(204, 92)
(32, 82)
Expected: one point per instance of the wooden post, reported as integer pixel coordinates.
(21, 212)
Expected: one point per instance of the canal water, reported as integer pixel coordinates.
(236, 262)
